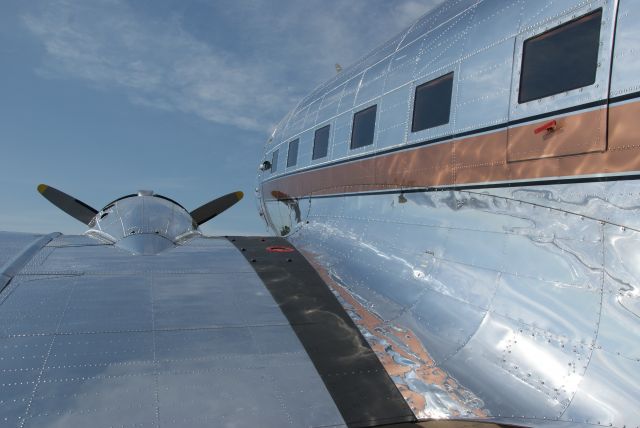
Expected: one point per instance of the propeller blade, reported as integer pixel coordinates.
(75, 208)
(211, 209)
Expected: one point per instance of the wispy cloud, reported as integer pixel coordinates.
(292, 46)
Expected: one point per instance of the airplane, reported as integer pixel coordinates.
(455, 245)
(469, 192)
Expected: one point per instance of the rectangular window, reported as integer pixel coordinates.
(561, 59)
(432, 105)
(292, 155)
(364, 126)
(321, 142)
(274, 161)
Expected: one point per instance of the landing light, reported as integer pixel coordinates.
(265, 166)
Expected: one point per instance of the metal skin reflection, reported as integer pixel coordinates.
(492, 304)
(495, 270)
(143, 224)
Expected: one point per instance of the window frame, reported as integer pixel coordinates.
(523, 53)
(274, 160)
(315, 141)
(594, 93)
(355, 117)
(450, 74)
(293, 143)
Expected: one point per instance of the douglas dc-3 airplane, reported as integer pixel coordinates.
(458, 221)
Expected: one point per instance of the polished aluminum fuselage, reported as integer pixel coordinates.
(494, 282)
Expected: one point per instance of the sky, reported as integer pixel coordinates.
(101, 98)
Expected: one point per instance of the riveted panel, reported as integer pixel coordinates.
(372, 84)
(562, 135)
(144, 347)
(606, 397)
(483, 88)
(626, 59)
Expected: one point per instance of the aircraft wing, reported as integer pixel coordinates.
(214, 332)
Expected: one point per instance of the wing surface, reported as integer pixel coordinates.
(15, 250)
(93, 336)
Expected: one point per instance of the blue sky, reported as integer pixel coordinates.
(101, 98)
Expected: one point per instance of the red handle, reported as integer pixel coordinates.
(549, 126)
(280, 249)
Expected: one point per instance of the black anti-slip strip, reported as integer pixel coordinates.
(469, 133)
(358, 383)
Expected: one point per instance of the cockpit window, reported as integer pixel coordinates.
(292, 155)
(561, 59)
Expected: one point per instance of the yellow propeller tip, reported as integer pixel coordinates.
(239, 195)
(42, 188)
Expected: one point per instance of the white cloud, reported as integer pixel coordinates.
(407, 12)
(160, 64)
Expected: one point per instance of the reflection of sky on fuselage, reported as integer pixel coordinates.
(103, 98)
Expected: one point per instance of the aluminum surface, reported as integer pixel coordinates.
(509, 303)
(491, 306)
(480, 41)
(92, 335)
(12, 244)
(552, 17)
(21, 256)
(626, 66)
(143, 224)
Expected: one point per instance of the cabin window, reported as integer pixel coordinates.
(432, 106)
(364, 126)
(321, 142)
(274, 161)
(561, 59)
(292, 155)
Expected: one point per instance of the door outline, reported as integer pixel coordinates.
(577, 118)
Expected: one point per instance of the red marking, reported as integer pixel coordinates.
(549, 126)
(280, 249)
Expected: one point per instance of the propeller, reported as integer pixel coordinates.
(83, 212)
(211, 209)
(75, 208)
